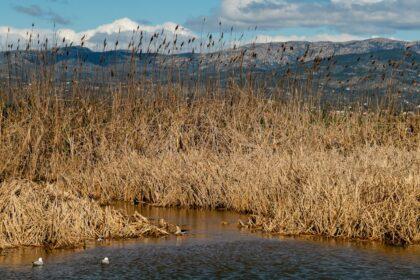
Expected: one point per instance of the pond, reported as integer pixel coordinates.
(215, 248)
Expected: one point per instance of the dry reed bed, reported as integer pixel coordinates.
(299, 169)
(43, 215)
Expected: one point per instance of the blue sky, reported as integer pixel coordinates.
(277, 20)
(87, 14)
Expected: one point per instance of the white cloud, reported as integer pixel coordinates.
(365, 17)
(122, 30)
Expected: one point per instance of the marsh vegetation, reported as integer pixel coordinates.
(296, 163)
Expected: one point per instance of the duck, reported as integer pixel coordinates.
(105, 261)
(179, 231)
(39, 262)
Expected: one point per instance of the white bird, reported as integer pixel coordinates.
(39, 262)
(105, 261)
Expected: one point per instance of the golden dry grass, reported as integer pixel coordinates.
(43, 215)
(299, 169)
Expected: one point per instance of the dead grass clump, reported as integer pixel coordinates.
(44, 215)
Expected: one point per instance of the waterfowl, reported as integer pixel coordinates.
(179, 231)
(39, 262)
(105, 261)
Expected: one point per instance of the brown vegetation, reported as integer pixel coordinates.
(44, 215)
(181, 131)
(297, 168)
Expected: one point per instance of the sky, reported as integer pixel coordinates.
(268, 20)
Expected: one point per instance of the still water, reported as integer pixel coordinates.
(214, 251)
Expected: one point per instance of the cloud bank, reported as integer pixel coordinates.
(356, 17)
(123, 30)
(341, 20)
